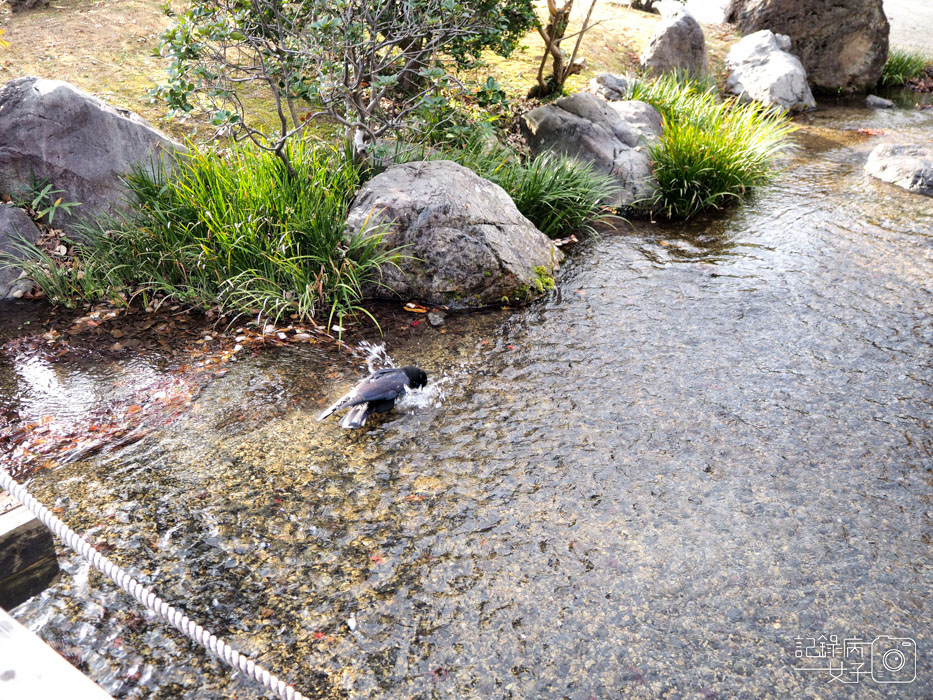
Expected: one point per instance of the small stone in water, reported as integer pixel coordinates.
(351, 623)
(436, 318)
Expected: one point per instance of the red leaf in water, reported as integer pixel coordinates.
(133, 409)
(377, 558)
(319, 635)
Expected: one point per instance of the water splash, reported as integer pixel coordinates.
(376, 356)
(431, 395)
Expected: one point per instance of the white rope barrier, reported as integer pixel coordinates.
(214, 644)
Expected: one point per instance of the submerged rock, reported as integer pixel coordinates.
(586, 127)
(677, 45)
(14, 225)
(53, 132)
(842, 45)
(876, 102)
(465, 242)
(763, 69)
(907, 166)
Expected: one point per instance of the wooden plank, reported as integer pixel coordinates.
(28, 564)
(30, 669)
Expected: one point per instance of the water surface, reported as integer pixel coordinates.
(711, 444)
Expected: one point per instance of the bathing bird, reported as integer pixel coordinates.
(377, 393)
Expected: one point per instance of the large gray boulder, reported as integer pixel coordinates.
(677, 45)
(762, 69)
(586, 127)
(54, 132)
(842, 45)
(907, 166)
(14, 225)
(464, 242)
(640, 116)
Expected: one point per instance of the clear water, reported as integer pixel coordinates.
(712, 440)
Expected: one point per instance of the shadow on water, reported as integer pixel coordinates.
(710, 445)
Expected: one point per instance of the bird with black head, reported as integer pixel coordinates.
(376, 394)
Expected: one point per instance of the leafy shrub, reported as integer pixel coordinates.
(230, 229)
(903, 65)
(373, 66)
(712, 152)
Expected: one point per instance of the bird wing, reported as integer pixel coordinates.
(356, 416)
(382, 385)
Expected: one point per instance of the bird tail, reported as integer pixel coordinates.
(356, 416)
(331, 409)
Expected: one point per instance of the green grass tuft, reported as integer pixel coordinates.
(712, 152)
(230, 229)
(903, 65)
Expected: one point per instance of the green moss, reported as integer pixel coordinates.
(544, 280)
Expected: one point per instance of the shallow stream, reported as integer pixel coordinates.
(709, 447)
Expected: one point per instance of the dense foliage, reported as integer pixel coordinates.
(376, 67)
(232, 230)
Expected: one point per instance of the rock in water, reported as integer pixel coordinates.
(677, 45)
(14, 225)
(907, 166)
(54, 132)
(842, 45)
(586, 127)
(876, 102)
(762, 69)
(465, 242)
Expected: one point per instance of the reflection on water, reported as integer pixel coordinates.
(713, 439)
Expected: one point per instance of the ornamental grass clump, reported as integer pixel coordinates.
(712, 151)
(903, 65)
(231, 229)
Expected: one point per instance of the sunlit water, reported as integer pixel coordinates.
(713, 440)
